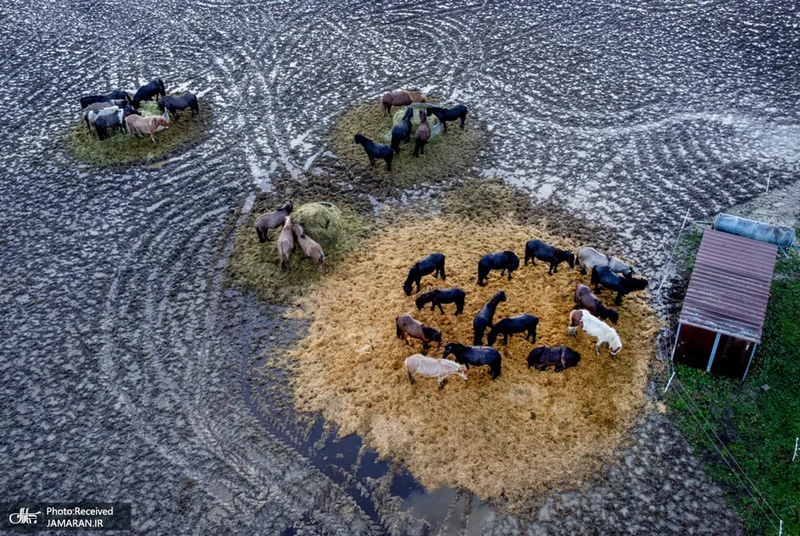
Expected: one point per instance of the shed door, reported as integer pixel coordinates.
(732, 356)
(694, 346)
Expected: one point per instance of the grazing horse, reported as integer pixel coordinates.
(584, 299)
(375, 150)
(449, 114)
(138, 125)
(273, 220)
(148, 91)
(515, 324)
(437, 297)
(603, 275)
(502, 260)
(423, 134)
(596, 328)
(309, 247)
(91, 115)
(588, 258)
(407, 325)
(433, 368)
(536, 249)
(475, 356)
(105, 123)
(117, 94)
(432, 264)
(173, 104)
(560, 356)
(285, 243)
(403, 98)
(97, 106)
(402, 132)
(484, 317)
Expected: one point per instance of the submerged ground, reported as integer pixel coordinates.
(124, 360)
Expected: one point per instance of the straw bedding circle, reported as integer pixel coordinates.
(510, 437)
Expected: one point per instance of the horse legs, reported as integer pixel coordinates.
(463, 119)
(459, 307)
(509, 274)
(388, 164)
(371, 160)
(597, 348)
(416, 148)
(505, 339)
(438, 304)
(442, 381)
(618, 301)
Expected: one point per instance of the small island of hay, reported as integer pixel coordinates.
(510, 437)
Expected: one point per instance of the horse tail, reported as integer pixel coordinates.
(595, 278)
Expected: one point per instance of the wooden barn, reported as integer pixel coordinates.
(723, 312)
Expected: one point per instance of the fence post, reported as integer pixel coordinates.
(670, 381)
(796, 439)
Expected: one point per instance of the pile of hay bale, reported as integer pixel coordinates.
(513, 436)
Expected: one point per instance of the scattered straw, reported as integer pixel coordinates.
(513, 436)
(122, 149)
(446, 155)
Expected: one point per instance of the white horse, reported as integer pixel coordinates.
(433, 368)
(596, 328)
(588, 258)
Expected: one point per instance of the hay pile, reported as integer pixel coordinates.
(255, 266)
(514, 436)
(446, 155)
(122, 149)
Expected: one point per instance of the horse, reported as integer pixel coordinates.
(375, 150)
(502, 260)
(117, 94)
(104, 123)
(588, 258)
(285, 243)
(437, 297)
(403, 98)
(423, 134)
(449, 114)
(584, 299)
(603, 275)
(536, 249)
(432, 264)
(402, 132)
(475, 356)
(138, 124)
(309, 247)
(407, 325)
(173, 104)
(273, 220)
(148, 91)
(433, 368)
(561, 357)
(97, 106)
(596, 328)
(516, 324)
(484, 317)
(91, 115)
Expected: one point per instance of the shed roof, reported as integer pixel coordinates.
(729, 287)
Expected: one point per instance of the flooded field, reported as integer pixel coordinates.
(127, 366)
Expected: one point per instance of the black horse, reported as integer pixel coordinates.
(503, 260)
(515, 324)
(484, 317)
(430, 264)
(602, 275)
(173, 104)
(105, 123)
(561, 356)
(375, 150)
(449, 114)
(402, 132)
(117, 94)
(437, 297)
(475, 356)
(536, 249)
(148, 91)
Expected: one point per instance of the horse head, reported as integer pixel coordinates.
(501, 296)
(450, 348)
(615, 351)
(360, 139)
(422, 299)
(462, 371)
(570, 259)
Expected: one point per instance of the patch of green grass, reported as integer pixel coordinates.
(446, 155)
(122, 149)
(255, 266)
(758, 426)
(686, 252)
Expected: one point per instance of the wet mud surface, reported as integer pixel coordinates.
(126, 365)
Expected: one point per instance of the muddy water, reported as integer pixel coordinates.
(122, 358)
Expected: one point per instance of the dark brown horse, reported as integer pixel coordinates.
(403, 98)
(561, 357)
(584, 299)
(423, 134)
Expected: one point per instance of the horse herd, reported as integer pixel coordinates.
(290, 233)
(117, 110)
(588, 314)
(402, 131)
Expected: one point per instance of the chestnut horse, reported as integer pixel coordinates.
(403, 98)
